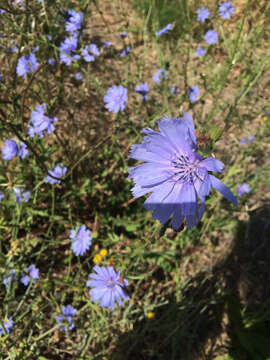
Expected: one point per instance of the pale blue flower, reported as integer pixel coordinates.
(116, 98)
(174, 173)
(107, 286)
(81, 240)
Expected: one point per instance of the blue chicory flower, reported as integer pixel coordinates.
(202, 14)
(67, 47)
(193, 93)
(81, 240)
(160, 75)
(164, 30)
(125, 51)
(65, 321)
(8, 278)
(243, 189)
(8, 325)
(25, 196)
(122, 35)
(73, 20)
(23, 151)
(19, 3)
(106, 44)
(107, 286)
(58, 172)
(78, 76)
(248, 139)
(40, 122)
(211, 37)
(201, 51)
(1, 196)
(9, 150)
(30, 273)
(143, 89)
(226, 9)
(51, 61)
(27, 64)
(90, 52)
(174, 173)
(116, 98)
(174, 90)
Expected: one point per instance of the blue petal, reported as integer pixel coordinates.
(188, 199)
(212, 164)
(225, 191)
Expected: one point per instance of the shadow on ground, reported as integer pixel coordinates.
(223, 311)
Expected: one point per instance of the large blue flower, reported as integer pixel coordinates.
(107, 286)
(174, 173)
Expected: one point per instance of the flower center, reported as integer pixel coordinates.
(110, 283)
(184, 169)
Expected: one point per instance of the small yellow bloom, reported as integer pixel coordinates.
(97, 258)
(151, 315)
(103, 252)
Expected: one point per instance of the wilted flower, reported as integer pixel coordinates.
(226, 9)
(202, 14)
(90, 52)
(81, 240)
(243, 189)
(174, 90)
(19, 3)
(65, 321)
(174, 173)
(8, 278)
(164, 30)
(31, 273)
(143, 89)
(122, 35)
(116, 98)
(193, 93)
(160, 75)
(25, 196)
(58, 172)
(23, 151)
(107, 43)
(125, 51)
(201, 51)
(107, 286)
(73, 20)
(8, 325)
(249, 139)
(27, 64)
(211, 37)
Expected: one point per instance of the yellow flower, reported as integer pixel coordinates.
(97, 258)
(103, 252)
(151, 315)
